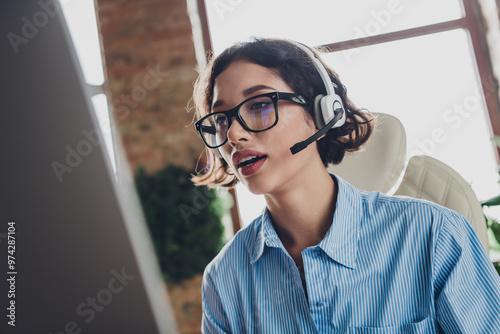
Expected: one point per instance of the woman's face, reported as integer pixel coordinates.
(273, 168)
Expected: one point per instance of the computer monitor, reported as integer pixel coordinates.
(75, 253)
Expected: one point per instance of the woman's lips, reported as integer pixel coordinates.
(252, 168)
(248, 162)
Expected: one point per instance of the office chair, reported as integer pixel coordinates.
(378, 166)
(433, 180)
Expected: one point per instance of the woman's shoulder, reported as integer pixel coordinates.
(375, 200)
(372, 198)
(406, 209)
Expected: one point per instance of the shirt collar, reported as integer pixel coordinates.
(340, 242)
(266, 236)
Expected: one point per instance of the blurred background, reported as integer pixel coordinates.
(434, 65)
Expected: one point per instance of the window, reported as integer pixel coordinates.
(81, 20)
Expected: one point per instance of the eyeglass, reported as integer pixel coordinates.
(256, 114)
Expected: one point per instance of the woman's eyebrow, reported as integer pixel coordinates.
(253, 89)
(246, 92)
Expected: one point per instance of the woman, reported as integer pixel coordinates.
(324, 256)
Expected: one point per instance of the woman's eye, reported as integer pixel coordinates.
(220, 120)
(259, 105)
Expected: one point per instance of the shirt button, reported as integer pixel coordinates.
(320, 304)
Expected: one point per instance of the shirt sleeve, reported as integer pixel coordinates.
(466, 285)
(214, 319)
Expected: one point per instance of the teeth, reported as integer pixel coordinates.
(245, 159)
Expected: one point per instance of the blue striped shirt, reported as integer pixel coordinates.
(386, 265)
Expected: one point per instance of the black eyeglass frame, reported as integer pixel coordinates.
(234, 112)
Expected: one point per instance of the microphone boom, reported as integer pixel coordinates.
(303, 144)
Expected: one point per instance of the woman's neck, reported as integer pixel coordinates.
(303, 213)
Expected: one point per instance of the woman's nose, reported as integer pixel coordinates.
(237, 133)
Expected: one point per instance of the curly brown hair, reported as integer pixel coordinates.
(297, 69)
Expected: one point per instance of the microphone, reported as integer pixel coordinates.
(303, 144)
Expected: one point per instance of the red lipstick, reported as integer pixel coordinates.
(248, 162)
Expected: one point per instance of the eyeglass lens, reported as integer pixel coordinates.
(257, 114)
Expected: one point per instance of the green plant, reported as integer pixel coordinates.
(184, 221)
(493, 227)
(492, 223)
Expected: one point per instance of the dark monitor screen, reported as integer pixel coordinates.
(75, 254)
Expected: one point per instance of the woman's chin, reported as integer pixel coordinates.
(256, 187)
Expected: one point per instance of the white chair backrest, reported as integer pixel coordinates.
(380, 163)
(433, 180)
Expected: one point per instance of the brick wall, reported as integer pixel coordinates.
(150, 68)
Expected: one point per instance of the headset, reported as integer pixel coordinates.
(328, 110)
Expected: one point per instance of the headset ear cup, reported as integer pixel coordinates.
(317, 113)
(330, 104)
